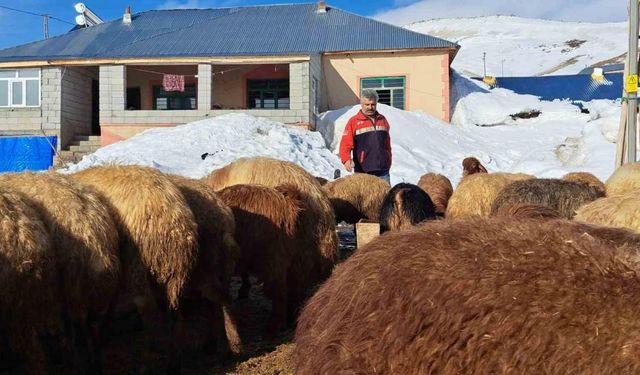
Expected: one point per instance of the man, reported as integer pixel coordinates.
(367, 136)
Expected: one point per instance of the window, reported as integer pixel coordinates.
(268, 93)
(175, 100)
(389, 89)
(20, 88)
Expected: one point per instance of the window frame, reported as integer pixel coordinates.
(391, 89)
(275, 89)
(23, 83)
(174, 94)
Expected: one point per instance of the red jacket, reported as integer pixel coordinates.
(369, 140)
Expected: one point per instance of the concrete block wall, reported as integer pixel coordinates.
(17, 121)
(113, 83)
(204, 87)
(299, 87)
(315, 85)
(76, 97)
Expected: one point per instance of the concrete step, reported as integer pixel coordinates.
(86, 138)
(83, 148)
(86, 143)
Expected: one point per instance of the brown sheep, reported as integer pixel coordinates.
(439, 189)
(522, 297)
(621, 211)
(475, 193)
(471, 166)
(269, 237)
(317, 216)
(405, 206)
(217, 257)
(159, 239)
(85, 243)
(624, 180)
(563, 196)
(29, 299)
(586, 178)
(321, 180)
(357, 196)
(527, 211)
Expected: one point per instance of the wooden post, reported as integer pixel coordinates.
(365, 232)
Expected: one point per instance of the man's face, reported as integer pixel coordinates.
(368, 106)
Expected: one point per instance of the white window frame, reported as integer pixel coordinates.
(23, 80)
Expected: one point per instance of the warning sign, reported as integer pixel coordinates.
(632, 83)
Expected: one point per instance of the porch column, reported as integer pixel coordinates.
(112, 81)
(299, 90)
(204, 87)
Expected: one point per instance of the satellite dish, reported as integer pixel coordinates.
(80, 7)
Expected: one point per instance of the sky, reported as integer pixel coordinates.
(19, 28)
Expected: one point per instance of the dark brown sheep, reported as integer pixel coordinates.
(527, 211)
(217, 258)
(29, 299)
(439, 189)
(85, 243)
(357, 196)
(586, 178)
(471, 166)
(517, 296)
(270, 241)
(317, 216)
(563, 196)
(404, 206)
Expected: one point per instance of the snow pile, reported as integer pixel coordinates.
(178, 150)
(498, 106)
(462, 86)
(560, 140)
(517, 46)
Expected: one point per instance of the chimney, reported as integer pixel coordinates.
(126, 18)
(322, 7)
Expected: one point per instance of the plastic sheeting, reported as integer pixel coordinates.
(573, 87)
(22, 153)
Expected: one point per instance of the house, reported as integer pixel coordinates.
(169, 67)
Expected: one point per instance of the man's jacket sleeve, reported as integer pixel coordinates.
(346, 143)
(388, 143)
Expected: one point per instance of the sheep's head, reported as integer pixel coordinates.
(472, 165)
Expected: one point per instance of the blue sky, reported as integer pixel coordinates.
(18, 28)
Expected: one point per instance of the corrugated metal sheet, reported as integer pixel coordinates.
(258, 30)
(579, 87)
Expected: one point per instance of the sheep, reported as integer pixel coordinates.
(159, 239)
(439, 189)
(527, 211)
(563, 196)
(269, 236)
(321, 180)
(586, 178)
(624, 180)
(471, 166)
(217, 257)
(317, 216)
(85, 243)
(617, 211)
(405, 206)
(475, 193)
(29, 300)
(517, 296)
(357, 196)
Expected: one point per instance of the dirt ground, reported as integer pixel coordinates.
(131, 350)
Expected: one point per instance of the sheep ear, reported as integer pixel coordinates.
(482, 168)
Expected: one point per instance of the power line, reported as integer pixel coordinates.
(36, 14)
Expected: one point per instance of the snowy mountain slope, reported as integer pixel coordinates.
(517, 46)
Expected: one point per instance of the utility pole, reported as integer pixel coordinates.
(45, 21)
(632, 82)
(484, 63)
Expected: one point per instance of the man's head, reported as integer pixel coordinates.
(369, 101)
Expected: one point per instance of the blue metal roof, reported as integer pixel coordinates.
(241, 31)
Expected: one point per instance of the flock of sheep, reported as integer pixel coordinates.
(506, 273)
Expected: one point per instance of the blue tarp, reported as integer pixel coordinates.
(22, 153)
(573, 87)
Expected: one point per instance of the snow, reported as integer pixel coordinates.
(561, 139)
(178, 150)
(517, 46)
